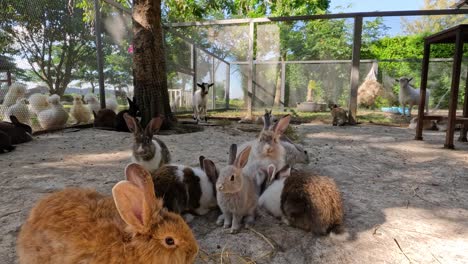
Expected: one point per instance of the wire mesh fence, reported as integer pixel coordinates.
(49, 47)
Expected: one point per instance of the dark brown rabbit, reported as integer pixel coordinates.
(312, 203)
(13, 133)
(105, 119)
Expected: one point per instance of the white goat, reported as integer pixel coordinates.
(409, 95)
(200, 101)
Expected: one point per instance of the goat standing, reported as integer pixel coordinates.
(200, 101)
(409, 95)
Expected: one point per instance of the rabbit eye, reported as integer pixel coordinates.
(232, 177)
(169, 241)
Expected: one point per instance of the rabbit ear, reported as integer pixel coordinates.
(154, 125)
(210, 170)
(243, 157)
(14, 120)
(281, 126)
(283, 173)
(232, 154)
(200, 160)
(271, 171)
(132, 123)
(135, 198)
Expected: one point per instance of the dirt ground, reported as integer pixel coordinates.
(405, 200)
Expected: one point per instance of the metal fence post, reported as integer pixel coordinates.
(213, 90)
(283, 85)
(355, 69)
(100, 60)
(194, 68)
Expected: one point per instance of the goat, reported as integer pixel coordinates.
(409, 95)
(200, 101)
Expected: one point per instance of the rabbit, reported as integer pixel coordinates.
(5, 143)
(186, 189)
(236, 193)
(78, 225)
(104, 119)
(79, 111)
(339, 116)
(307, 201)
(38, 102)
(55, 117)
(133, 110)
(148, 151)
(20, 110)
(16, 131)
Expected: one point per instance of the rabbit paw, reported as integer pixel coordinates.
(220, 220)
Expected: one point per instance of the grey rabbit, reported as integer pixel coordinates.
(148, 151)
(236, 193)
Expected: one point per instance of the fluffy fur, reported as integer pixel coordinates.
(38, 102)
(312, 203)
(15, 92)
(133, 110)
(55, 117)
(186, 189)
(79, 111)
(5, 143)
(200, 102)
(339, 116)
(83, 226)
(236, 193)
(105, 119)
(149, 152)
(427, 124)
(95, 105)
(409, 95)
(16, 131)
(20, 110)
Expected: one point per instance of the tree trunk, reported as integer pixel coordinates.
(277, 100)
(149, 63)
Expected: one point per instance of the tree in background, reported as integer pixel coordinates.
(432, 24)
(51, 37)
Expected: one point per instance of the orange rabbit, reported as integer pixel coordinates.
(83, 226)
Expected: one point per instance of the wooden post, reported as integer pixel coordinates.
(464, 130)
(250, 88)
(100, 60)
(457, 57)
(355, 69)
(283, 84)
(227, 85)
(422, 90)
(9, 81)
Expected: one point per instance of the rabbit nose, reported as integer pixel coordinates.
(140, 150)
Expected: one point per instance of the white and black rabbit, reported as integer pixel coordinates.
(187, 190)
(148, 151)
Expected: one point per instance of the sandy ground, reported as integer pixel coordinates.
(405, 200)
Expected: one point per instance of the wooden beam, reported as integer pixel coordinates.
(356, 59)
(457, 57)
(423, 90)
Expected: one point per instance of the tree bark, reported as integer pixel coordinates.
(149, 62)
